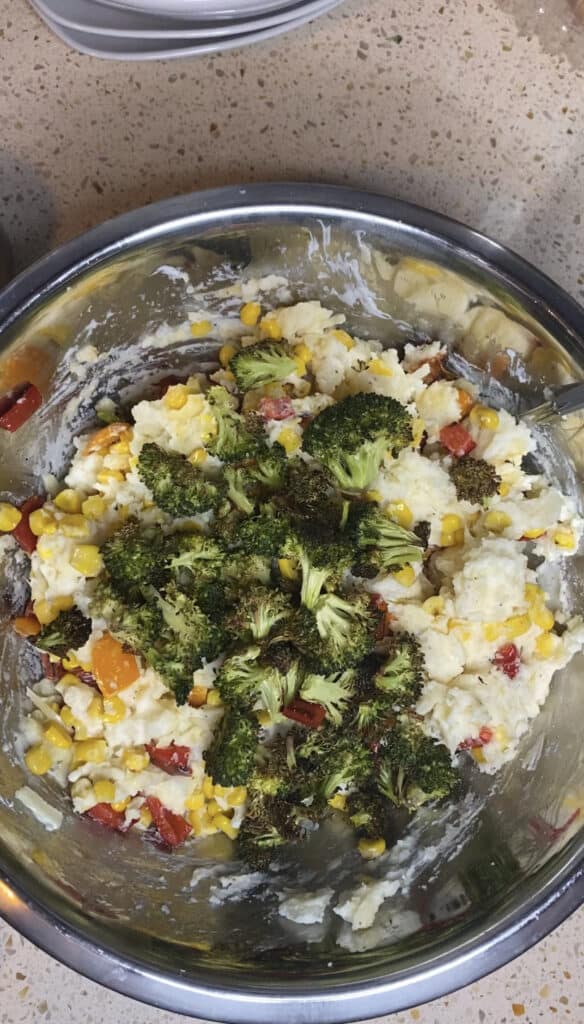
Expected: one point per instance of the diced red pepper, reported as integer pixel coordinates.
(304, 711)
(457, 440)
(86, 677)
(105, 815)
(473, 742)
(172, 828)
(22, 533)
(435, 368)
(51, 669)
(173, 759)
(18, 405)
(377, 602)
(275, 408)
(508, 660)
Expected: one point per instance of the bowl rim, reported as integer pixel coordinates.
(544, 905)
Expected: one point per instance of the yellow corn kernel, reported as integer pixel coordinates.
(492, 631)
(270, 328)
(451, 540)
(533, 534)
(9, 517)
(496, 521)
(220, 790)
(208, 425)
(564, 538)
(213, 808)
(89, 750)
(214, 699)
(303, 356)
(479, 755)
(198, 457)
(288, 568)
(516, 625)
(93, 507)
(74, 526)
(114, 709)
(120, 448)
(338, 801)
(501, 737)
(69, 500)
(145, 817)
(202, 824)
(200, 328)
(545, 645)
(380, 368)
(87, 560)
(176, 396)
(45, 611)
(533, 594)
(418, 430)
(58, 737)
(226, 354)
(67, 716)
(222, 822)
(406, 576)
(400, 513)
(105, 791)
(69, 679)
(542, 617)
(374, 496)
(451, 522)
(344, 338)
(504, 489)
(208, 788)
(264, 718)
(371, 848)
(289, 440)
(485, 418)
(95, 708)
(105, 476)
(433, 605)
(38, 760)
(42, 522)
(135, 759)
(249, 314)
(237, 796)
(120, 805)
(198, 695)
(195, 802)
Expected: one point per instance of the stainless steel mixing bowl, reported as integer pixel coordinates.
(485, 879)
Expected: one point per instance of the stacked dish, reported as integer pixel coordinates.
(164, 29)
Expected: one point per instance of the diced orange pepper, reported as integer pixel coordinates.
(26, 625)
(114, 668)
(106, 436)
(465, 402)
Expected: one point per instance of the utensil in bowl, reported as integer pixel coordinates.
(484, 879)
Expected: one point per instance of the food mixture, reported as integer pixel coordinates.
(297, 587)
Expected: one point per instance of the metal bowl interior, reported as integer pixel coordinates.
(483, 882)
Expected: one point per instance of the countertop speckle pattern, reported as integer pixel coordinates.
(474, 109)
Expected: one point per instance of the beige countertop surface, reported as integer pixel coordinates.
(474, 109)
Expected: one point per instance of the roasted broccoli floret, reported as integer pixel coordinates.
(177, 487)
(333, 692)
(351, 437)
(136, 556)
(323, 558)
(137, 624)
(67, 632)
(230, 760)
(276, 772)
(475, 480)
(370, 814)
(414, 768)
(401, 677)
(269, 823)
(262, 363)
(245, 681)
(336, 759)
(310, 492)
(264, 534)
(240, 489)
(257, 612)
(195, 559)
(268, 469)
(237, 437)
(242, 571)
(384, 546)
(337, 633)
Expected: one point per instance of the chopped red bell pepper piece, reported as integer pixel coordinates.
(275, 408)
(105, 815)
(304, 711)
(18, 405)
(508, 660)
(22, 533)
(172, 828)
(473, 742)
(435, 368)
(52, 669)
(173, 759)
(457, 440)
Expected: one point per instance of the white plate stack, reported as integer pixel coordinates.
(163, 29)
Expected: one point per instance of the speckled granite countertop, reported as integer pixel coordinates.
(471, 108)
